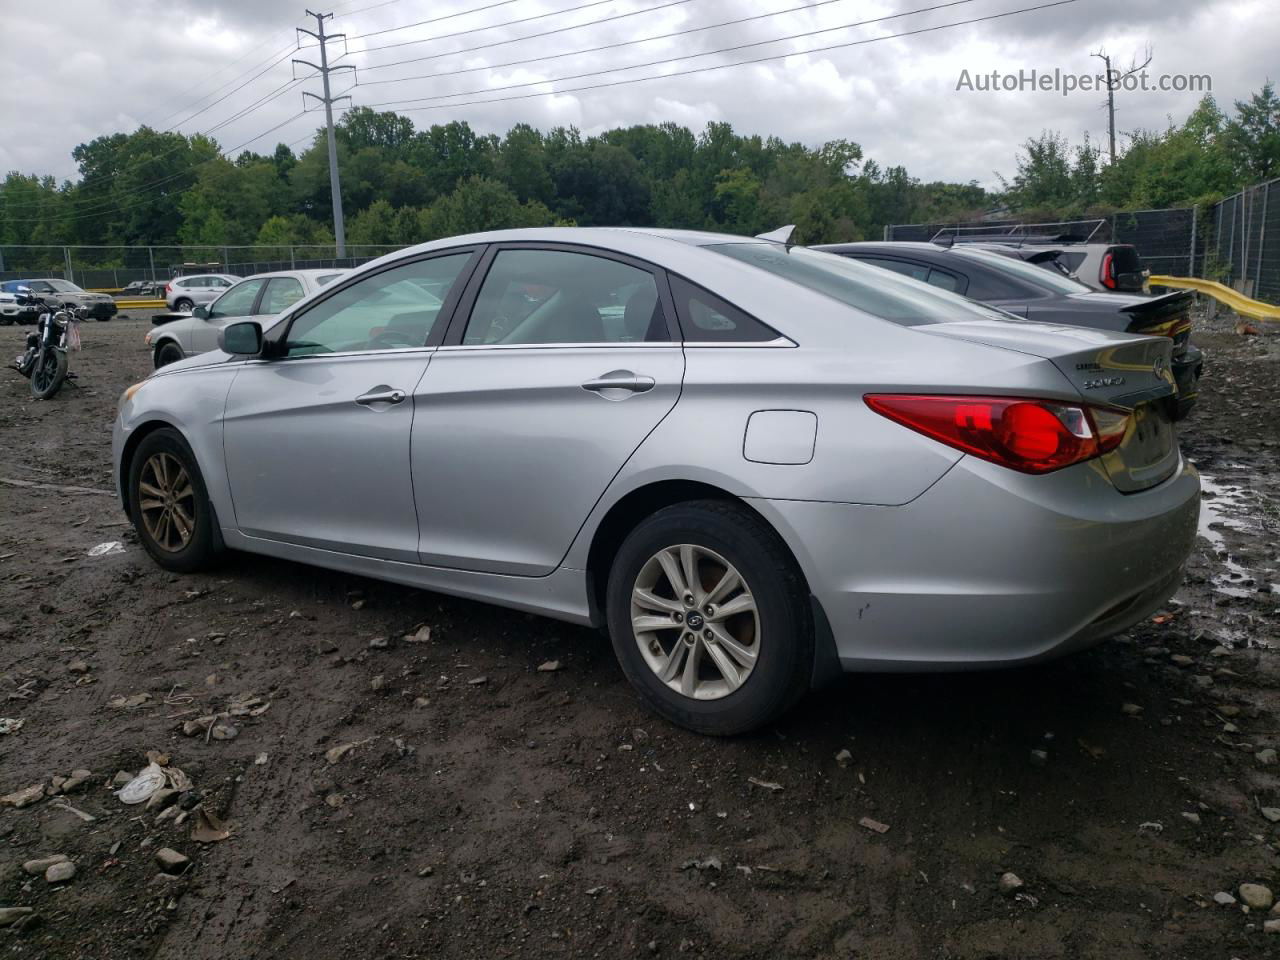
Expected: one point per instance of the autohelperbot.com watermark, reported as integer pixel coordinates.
(1032, 80)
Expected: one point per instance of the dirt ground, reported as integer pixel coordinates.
(490, 809)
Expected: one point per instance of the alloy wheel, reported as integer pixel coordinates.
(695, 621)
(167, 502)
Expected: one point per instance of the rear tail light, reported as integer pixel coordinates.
(168, 288)
(1028, 435)
(1107, 273)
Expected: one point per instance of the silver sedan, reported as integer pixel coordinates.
(264, 294)
(754, 464)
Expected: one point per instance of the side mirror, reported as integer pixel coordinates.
(201, 312)
(243, 339)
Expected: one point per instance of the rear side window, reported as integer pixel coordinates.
(916, 271)
(947, 281)
(282, 293)
(237, 302)
(704, 317)
(859, 285)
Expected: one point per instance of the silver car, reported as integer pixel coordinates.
(263, 294)
(184, 294)
(756, 465)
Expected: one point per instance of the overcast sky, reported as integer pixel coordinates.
(76, 69)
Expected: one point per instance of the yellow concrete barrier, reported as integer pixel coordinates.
(139, 304)
(1237, 301)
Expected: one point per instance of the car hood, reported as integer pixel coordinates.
(207, 359)
(82, 297)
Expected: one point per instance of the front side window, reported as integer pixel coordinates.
(238, 301)
(389, 310)
(557, 296)
(282, 293)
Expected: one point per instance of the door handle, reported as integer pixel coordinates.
(620, 380)
(381, 394)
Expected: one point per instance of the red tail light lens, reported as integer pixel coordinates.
(1032, 436)
(168, 288)
(1107, 273)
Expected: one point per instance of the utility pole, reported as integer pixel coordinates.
(1114, 80)
(323, 68)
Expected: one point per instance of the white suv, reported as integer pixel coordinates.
(183, 294)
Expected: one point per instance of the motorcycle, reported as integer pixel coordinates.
(57, 331)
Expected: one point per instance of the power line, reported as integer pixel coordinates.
(280, 54)
(686, 56)
(662, 36)
(510, 23)
(725, 66)
(229, 93)
(501, 43)
(421, 23)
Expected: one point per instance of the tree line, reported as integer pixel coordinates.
(403, 185)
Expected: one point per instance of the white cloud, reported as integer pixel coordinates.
(897, 98)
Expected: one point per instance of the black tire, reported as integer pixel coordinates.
(183, 305)
(200, 550)
(784, 661)
(48, 374)
(168, 352)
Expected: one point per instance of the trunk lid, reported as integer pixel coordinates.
(1164, 316)
(1108, 369)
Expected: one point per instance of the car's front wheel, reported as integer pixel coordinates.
(169, 504)
(167, 353)
(183, 305)
(709, 617)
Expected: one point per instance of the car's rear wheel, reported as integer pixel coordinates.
(169, 504)
(183, 305)
(167, 353)
(709, 619)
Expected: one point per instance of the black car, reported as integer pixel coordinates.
(143, 288)
(1027, 290)
(65, 293)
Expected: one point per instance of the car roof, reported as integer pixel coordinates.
(310, 272)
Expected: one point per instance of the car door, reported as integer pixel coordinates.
(317, 439)
(235, 304)
(559, 363)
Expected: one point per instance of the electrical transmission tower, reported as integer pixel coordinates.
(323, 68)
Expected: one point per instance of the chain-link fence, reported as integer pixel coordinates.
(112, 267)
(1235, 241)
(1245, 247)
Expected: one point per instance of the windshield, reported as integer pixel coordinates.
(1041, 276)
(879, 292)
(63, 286)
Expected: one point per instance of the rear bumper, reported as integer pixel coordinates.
(989, 567)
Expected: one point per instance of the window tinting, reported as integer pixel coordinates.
(389, 310)
(878, 292)
(705, 317)
(556, 296)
